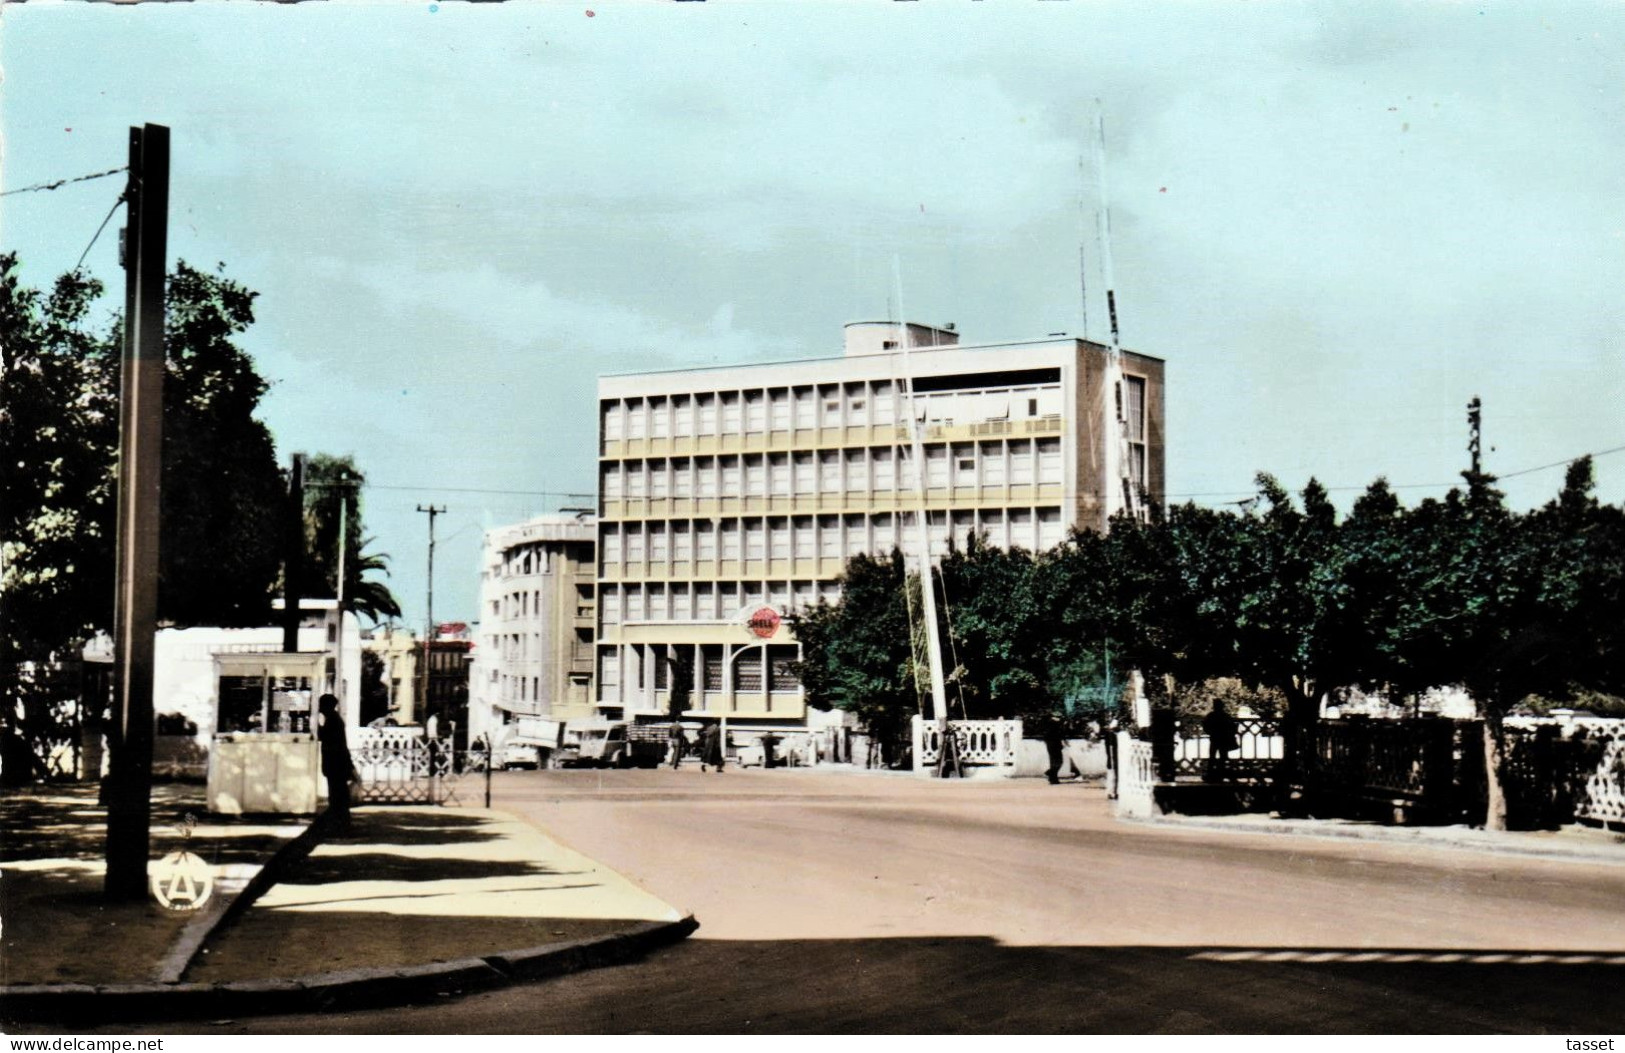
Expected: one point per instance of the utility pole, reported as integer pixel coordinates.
(428, 636)
(140, 472)
(293, 554)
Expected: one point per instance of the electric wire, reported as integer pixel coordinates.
(64, 182)
(98, 234)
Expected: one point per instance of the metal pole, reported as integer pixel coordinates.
(428, 636)
(338, 638)
(141, 399)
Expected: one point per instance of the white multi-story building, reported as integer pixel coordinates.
(535, 641)
(730, 497)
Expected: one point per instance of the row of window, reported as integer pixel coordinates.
(878, 469)
(763, 410)
(681, 545)
(639, 668)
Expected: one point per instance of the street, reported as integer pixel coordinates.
(870, 903)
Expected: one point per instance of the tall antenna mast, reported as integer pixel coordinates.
(928, 590)
(1083, 259)
(1124, 496)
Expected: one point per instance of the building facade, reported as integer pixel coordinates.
(397, 653)
(537, 618)
(731, 497)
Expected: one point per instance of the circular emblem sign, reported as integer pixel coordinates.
(182, 881)
(763, 621)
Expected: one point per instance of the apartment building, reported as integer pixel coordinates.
(535, 643)
(731, 497)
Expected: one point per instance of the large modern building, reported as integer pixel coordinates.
(535, 643)
(730, 497)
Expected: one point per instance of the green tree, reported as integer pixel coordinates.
(333, 488)
(856, 654)
(681, 668)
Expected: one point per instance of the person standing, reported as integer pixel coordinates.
(1055, 746)
(711, 747)
(1220, 727)
(336, 763)
(679, 745)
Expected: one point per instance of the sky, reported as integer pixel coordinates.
(1336, 222)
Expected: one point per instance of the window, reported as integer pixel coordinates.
(857, 404)
(682, 477)
(1049, 460)
(682, 542)
(936, 467)
(829, 592)
(885, 466)
(885, 403)
(806, 408)
(829, 471)
(609, 668)
(705, 601)
(612, 545)
(634, 543)
(614, 421)
(1021, 464)
(803, 468)
(658, 550)
(705, 413)
(755, 412)
(857, 535)
(662, 669)
(829, 537)
(730, 413)
(730, 476)
(805, 538)
(806, 594)
(779, 409)
(705, 540)
(682, 415)
(1049, 527)
(612, 482)
(705, 476)
(637, 419)
(609, 609)
(992, 464)
(659, 418)
(636, 480)
(778, 530)
(829, 397)
(857, 471)
(659, 480)
(755, 475)
(711, 667)
(730, 539)
(657, 602)
(1134, 417)
(755, 539)
(680, 602)
(748, 672)
(634, 604)
(1021, 528)
(778, 474)
(964, 465)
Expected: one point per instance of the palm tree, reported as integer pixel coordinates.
(363, 596)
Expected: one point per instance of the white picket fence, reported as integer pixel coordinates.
(990, 747)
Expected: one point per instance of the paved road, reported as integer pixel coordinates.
(837, 903)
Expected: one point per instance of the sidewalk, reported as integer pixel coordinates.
(408, 903)
(419, 886)
(1578, 843)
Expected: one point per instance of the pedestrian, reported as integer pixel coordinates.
(336, 763)
(679, 745)
(1220, 728)
(711, 747)
(1054, 745)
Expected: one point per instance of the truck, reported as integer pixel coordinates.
(624, 746)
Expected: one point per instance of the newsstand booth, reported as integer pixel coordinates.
(265, 757)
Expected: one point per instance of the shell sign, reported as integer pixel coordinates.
(763, 622)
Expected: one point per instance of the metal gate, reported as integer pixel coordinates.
(402, 766)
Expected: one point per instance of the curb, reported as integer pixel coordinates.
(1570, 853)
(351, 989)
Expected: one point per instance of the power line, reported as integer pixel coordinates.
(64, 182)
(98, 233)
(477, 490)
